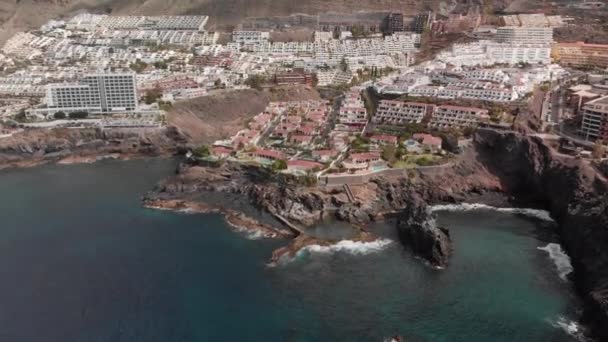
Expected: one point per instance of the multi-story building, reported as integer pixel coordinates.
(422, 21)
(446, 116)
(595, 119)
(250, 37)
(581, 54)
(399, 113)
(182, 23)
(95, 93)
(524, 35)
(394, 22)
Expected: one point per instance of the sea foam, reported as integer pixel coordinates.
(348, 246)
(560, 258)
(535, 213)
(571, 328)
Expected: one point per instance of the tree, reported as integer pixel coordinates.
(78, 115)
(343, 65)
(59, 116)
(152, 95)
(389, 153)
(599, 150)
(138, 66)
(255, 81)
(279, 165)
(21, 116)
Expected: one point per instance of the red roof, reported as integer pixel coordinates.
(220, 150)
(427, 139)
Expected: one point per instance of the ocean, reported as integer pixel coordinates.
(81, 260)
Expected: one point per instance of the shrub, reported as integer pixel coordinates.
(59, 116)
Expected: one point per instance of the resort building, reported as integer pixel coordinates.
(94, 93)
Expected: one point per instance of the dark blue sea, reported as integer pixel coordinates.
(81, 260)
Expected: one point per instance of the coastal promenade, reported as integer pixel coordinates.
(364, 177)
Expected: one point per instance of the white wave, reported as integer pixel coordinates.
(348, 246)
(571, 328)
(560, 258)
(344, 246)
(539, 214)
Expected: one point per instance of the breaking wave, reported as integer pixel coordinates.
(571, 328)
(348, 246)
(535, 213)
(560, 258)
(344, 246)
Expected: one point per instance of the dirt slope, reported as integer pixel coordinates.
(218, 116)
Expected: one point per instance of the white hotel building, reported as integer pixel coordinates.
(94, 93)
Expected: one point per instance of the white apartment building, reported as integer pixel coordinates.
(399, 113)
(485, 53)
(494, 75)
(250, 37)
(94, 93)
(514, 53)
(524, 35)
(155, 23)
(446, 116)
(353, 112)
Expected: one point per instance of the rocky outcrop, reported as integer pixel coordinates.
(419, 232)
(575, 194)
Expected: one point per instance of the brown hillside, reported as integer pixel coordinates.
(222, 114)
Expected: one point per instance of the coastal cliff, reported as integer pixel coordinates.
(63, 145)
(575, 195)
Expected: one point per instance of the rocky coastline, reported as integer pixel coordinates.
(34, 147)
(501, 169)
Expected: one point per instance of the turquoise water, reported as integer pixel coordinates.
(80, 260)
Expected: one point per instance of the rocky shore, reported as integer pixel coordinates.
(87, 145)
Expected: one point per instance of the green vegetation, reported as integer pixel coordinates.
(360, 144)
(59, 116)
(255, 81)
(389, 154)
(202, 151)
(138, 66)
(279, 165)
(165, 105)
(78, 115)
(152, 95)
(21, 116)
